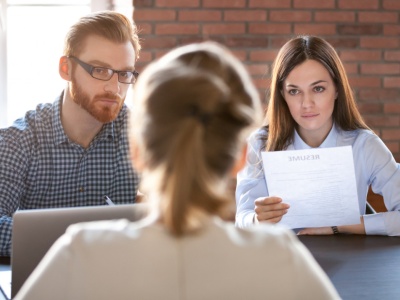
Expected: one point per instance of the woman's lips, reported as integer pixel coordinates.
(309, 115)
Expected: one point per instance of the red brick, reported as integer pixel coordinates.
(382, 121)
(365, 108)
(145, 57)
(199, 15)
(360, 55)
(199, 38)
(289, 16)
(333, 16)
(343, 42)
(224, 3)
(391, 30)
(262, 83)
(351, 68)
(392, 55)
(380, 95)
(396, 156)
(247, 41)
(269, 28)
(314, 4)
(377, 131)
(269, 3)
(158, 54)
(380, 69)
(263, 55)
(315, 29)
(379, 42)
(378, 17)
(144, 28)
(240, 54)
(258, 69)
(223, 28)
(365, 82)
(278, 41)
(155, 15)
(357, 4)
(245, 15)
(174, 28)
(143, 3)
(391, 82)
(391, 4)
(391, 107)
(391, 134)
(360, 29)
(393, 147)
(177, 3)
(159, 42)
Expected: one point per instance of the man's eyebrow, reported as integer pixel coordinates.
(102, 64)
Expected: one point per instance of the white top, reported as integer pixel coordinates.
(373, 163)
(123, 260)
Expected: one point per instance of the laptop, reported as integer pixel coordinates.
(34, 231)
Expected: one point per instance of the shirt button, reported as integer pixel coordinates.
(81, 189)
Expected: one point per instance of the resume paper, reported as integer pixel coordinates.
(319, 184)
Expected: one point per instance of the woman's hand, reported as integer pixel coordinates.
(270, 209)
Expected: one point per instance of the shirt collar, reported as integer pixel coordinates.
(60, 137)
(329, 142)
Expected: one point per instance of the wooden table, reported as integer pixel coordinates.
(360, 267)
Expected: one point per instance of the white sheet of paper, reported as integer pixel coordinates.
(319, 184)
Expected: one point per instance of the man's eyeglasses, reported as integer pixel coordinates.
(105, 74)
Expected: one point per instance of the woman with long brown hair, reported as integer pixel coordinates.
(311, 105)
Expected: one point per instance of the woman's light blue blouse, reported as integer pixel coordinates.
(373, 163)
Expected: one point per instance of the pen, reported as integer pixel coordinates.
(108, 200)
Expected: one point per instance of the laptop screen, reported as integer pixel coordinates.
(34, 231)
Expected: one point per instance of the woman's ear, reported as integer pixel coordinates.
(64, 68)
(240, 162)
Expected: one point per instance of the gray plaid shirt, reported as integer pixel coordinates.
(41, 168)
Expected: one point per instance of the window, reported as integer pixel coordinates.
(32, 36)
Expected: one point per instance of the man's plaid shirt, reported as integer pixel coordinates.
(41, 168)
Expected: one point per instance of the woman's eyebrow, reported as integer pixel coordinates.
(316, 82)
(312, 84)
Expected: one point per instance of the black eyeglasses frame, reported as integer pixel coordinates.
(89, 68)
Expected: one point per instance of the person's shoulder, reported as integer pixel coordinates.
(93, 232)
(43, 111)
(262, 235)
(357, 136)
(258, 136)
(26, 126)
(261, 132)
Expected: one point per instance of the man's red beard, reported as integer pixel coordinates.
(101, 113)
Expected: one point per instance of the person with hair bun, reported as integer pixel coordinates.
(311, 105)
(191, 114)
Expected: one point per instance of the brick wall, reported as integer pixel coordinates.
(366, 34)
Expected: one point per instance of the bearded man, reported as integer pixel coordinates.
(75, 151)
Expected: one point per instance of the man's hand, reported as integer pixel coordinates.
(270, 209)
